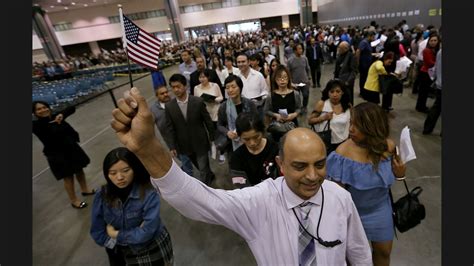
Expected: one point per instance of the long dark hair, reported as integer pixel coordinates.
(371, 120)
(110, 192)
(33, 109)
(270, 66)
(280, 69)
(435, 49)
(334, 83)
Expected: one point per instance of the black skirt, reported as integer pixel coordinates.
(68, 163)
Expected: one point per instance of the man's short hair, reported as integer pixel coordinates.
(243, 54)
(178, 78)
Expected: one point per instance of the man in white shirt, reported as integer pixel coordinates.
(269, 216)
(268, 56)
(187, 67)
(255, 87)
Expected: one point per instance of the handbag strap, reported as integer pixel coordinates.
(416, 191)
(393, 210)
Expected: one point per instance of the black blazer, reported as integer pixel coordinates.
(310, 55)
(346, 68)
(194, 80)
(193, 134)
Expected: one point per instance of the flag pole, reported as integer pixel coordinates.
(124, 41)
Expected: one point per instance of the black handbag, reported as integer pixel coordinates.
(325, 135)
(408, 211)
(390, 84)
(279, 127)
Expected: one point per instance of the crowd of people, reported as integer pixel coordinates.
(236, 100)
(56, 69)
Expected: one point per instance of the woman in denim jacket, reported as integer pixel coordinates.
(126, 214)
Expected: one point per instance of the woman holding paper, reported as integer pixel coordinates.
(285, 104)
(372, 84)
(367, 164)
(429, 60)
(211, 93)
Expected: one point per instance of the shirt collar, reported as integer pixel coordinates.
(134, 193)
(185, 100)
(292, 200)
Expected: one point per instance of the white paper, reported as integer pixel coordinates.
(283, 112)
(375, 43)
(407, 153)
(238, 180)
(383, 38)
(402, 66)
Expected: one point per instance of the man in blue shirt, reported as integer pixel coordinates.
(364, 57)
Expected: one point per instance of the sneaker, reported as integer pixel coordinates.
(221, 159)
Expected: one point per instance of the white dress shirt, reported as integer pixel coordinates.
(263, 216)
(254, 85)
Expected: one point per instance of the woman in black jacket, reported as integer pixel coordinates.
(65, 157)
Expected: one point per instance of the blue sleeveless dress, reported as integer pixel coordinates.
(369, 190)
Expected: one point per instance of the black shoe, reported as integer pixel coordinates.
(319, 85)
(88, 193)
(82, 205)
(427, 132)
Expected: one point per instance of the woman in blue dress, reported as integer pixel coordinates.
(366, 165)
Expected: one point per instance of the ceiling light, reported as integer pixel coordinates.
(66, 7)
(85, 5)
(73, 3)
(59, 1)
(52, 6)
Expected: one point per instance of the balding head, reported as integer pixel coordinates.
(299, 137)
(343, 47)
(302, 161)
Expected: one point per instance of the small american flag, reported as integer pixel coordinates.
(142, 47)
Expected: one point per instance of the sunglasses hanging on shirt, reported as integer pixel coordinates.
(328, 244)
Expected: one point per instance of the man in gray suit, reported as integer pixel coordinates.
(189, 129)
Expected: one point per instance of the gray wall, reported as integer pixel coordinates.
(348, 12)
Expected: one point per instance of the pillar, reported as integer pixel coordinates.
(174, 20)
(285, 21)
(45, 32)
(306, 12)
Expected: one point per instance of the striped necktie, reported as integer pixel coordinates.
(306, 245)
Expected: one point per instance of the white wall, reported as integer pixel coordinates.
(231, 14)
(107, 31)
(85, 17)
(92, 24)
(36, 42)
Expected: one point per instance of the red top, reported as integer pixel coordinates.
(429, 59)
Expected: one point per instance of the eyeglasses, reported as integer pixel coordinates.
(282, 78)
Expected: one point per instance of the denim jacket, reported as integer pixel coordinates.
(127, 218)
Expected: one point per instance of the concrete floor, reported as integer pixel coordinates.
(61, 233)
